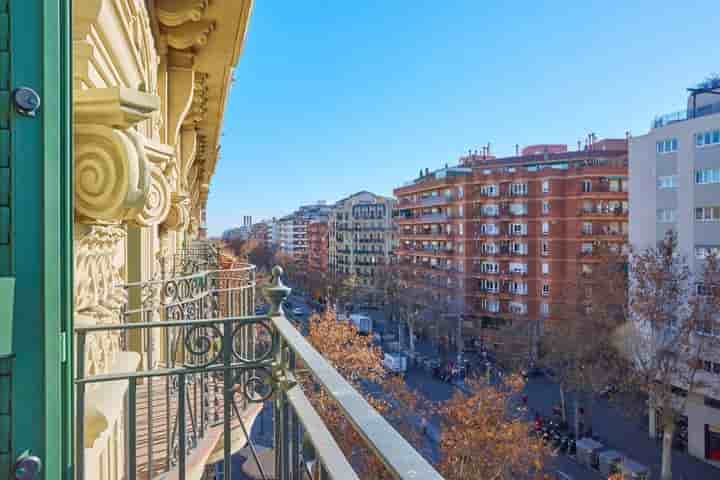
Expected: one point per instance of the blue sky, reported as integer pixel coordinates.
(335, 97)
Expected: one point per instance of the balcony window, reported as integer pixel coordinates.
(516, 267)
(707, 175)
(519, 288)
(668, 145)
(518, 189)
(488, 229)
(707, 214)
(518, 228)
(489, 190)
(545, 207)
(461, 192)
(587, 186)
(545, 290)
(518, 209)
(545, 228)
(702, 252)
(707, 138)
(546, 186)
(519, 248)
(545, 268)
(517, 308)
(544, 248)
(668, 181)
(587, 228)
(586, 248)
(545, 309)
(667, 215)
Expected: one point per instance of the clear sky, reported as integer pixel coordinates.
(333, 97)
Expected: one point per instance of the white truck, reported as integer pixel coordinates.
(395, 362)
(362, 322)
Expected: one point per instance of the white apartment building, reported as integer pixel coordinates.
(675, 184)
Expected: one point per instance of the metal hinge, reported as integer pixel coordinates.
(63, 347)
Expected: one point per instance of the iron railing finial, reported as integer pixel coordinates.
(276, 292)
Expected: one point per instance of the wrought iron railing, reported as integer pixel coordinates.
(216, 364)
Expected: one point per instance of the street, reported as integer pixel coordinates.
(615, 429)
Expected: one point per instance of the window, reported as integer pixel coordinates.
(488, 229)
(518, 308)
(545, 228)
(545, 207)
(707, 214)
(518, 229)
(515, 267)
(545, 248)
(707, 175)
(546, 269)
(667, 146)
(519, 248)
(460, 229)
(586, 248)
(460, 211)
(461, 192)
(587, 228)
(545, 308)
(586, 186)
(545, 290)
(669, 181)
(489, 190)
(489, 267)
(518, 288)
(518, 208)
(705, 251)
(666, 215)
(518, 189)
(546, 186)
(707, 138)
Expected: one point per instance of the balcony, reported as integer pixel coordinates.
(200, 367)
(427, 218)
(684, 115)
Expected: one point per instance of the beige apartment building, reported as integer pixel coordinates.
(361, 235)
(675, 184)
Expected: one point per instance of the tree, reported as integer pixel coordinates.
(360, 363)
(486, 437)
(579, 346)
(673, 325)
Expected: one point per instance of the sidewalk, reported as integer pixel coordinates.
(621, 433)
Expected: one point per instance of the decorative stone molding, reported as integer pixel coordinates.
(117, 107)
(198, 108)
(112, 175)
(157, 201)
(98, 290)
(178, 218)
(172, 13)
(188, 35)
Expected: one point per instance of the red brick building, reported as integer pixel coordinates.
(505, 236)
(318, 243)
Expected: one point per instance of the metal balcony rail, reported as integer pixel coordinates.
(202, 379)
(683, 115)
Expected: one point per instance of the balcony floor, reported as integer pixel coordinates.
(209, 448)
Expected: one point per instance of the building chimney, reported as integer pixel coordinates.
(517, 150)
(488, 149)
(579, 145)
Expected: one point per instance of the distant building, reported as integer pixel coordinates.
(293, 229)
(360, 235)
(318, 245)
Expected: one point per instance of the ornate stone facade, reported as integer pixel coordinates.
(150, 88)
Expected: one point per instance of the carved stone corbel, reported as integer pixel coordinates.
(181, 89)
(172, 13)
(178, 218)
(190, 34)
(112, 174)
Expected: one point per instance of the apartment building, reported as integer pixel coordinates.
(675, 184)
(318, 245)
(293, 228)
(504, 236)
(360, 235)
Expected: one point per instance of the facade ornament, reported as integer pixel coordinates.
(112, 174)
(178, 217)
(156, 206)
(188, 35)
(98, 283)
(172, 13)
